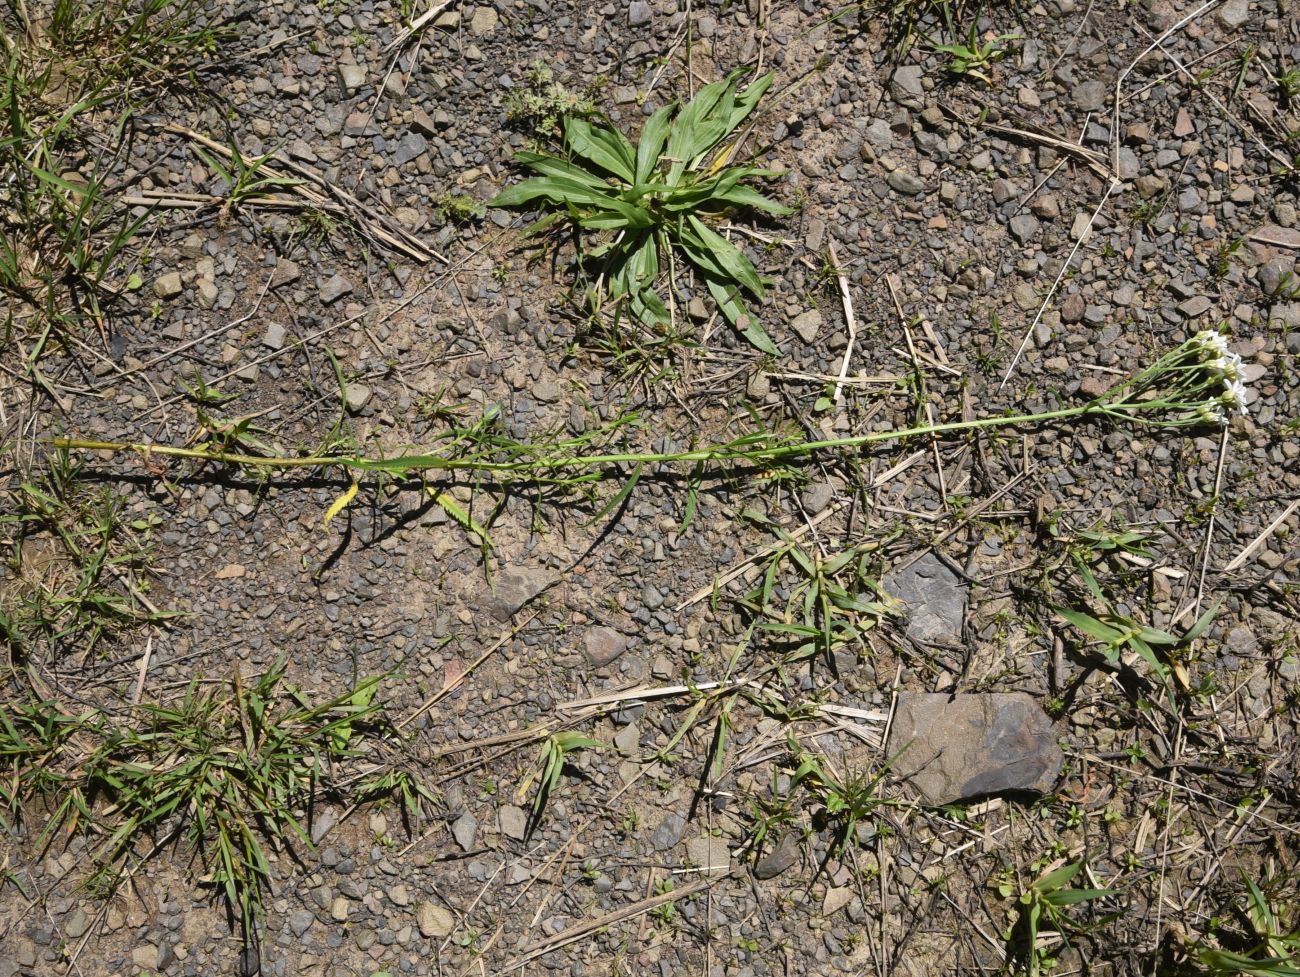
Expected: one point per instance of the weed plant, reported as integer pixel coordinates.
(970, 58)
(1044, 907)
(848, 799)
(71, 71)
(647, 207)
(541, 104)
(233, 769)
(74, 563)
(829, 602)
(1271, 947)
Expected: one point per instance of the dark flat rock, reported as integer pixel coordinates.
(514, 588)
(935, 599)
(779, 859)
(955, 748)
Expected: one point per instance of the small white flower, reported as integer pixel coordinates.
(1211, 414)
(1228, 366)
(1211, 343)
(1234, 396)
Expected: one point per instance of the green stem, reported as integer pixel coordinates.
(714, 453)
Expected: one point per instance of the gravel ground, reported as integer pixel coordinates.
(1128, 154)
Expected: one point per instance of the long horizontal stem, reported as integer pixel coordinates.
(713, 453)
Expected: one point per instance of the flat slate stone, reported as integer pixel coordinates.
(514, 588)
(935, 599)
(959, 747)
(779, 859)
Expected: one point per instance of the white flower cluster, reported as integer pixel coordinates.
(1226, 366)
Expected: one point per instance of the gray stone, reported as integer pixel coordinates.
(484, 21)
(816, 236)
(513, 821)
(1072, 308)
(807, 324)
(1277, 275)
(1234, 13)
(274, 336)
(546, 391)
(779, 859)
(1090, 96)
(604, 646)
(628, 739)
(905, 86)
(818, 496)
(286, 272)
(906, 182)
(710, 855)
(638, 13)
(323, 824)
(423, 122)
(434, 922)
(75, 926)
(207, 293)
(959, 747)
(1198, 305)
(1128, 164)
(145, 956)
(1023, 227)
(935, 599)
(410, 146)
(1241, 641)
(353, 77)
(1148, 185)
(300, 922)
(879, 135)
(1024, 296)
(358, 396)
(697, 310)
(837, 898)
(399, 895)
(334, 289)
(360, 123)
(668, 833)
(168, 286)
(249, 962)
(464, 829)
(514, 588)
(1002, 190)
(1288, 314)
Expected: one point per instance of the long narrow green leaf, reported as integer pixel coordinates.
(653, 136)
(597, 146)
(625, 216)
(554, 166)
(689, 124)
(618, 498)
(558, 190)
(715, 253)
(727, 297)
(749, 98)
(1089, 625)
(745, 197)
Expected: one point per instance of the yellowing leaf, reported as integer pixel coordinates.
(461, 516)
(340, 504)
